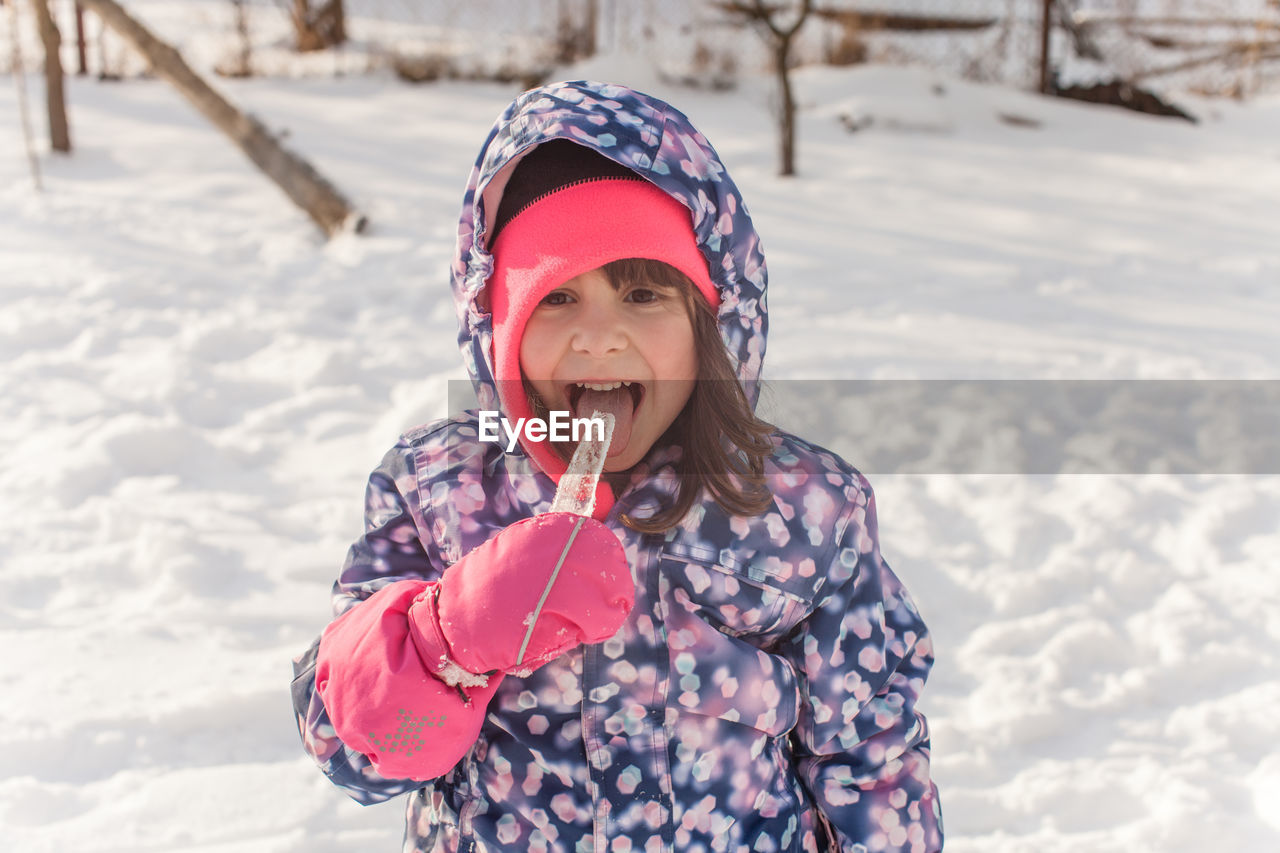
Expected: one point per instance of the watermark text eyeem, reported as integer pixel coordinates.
(558, 426)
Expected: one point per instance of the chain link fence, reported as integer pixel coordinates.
(1215, 47)
(1218, 47)
(1209, 46)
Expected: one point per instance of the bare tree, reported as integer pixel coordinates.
(575, 36)
(82, 57)
(317, 24)
(295, 176)
(59, 131)
(767, 20)
(20, 80)
(240, 63)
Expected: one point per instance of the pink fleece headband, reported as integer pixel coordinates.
(576, 229)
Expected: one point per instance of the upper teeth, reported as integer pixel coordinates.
(602, 386)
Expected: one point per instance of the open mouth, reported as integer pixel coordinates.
(620, 398)
(615, 392)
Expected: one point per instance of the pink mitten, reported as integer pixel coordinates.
(382, 699)
(404, 675)
(537, 589)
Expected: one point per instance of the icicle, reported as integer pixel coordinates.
(577, 490)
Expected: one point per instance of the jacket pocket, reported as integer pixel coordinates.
(720, 629)
(727, 597)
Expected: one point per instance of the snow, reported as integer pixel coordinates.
(196, 386)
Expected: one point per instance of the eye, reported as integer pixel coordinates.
(556, 297)
(643, 295)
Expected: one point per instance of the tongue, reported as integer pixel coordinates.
(617, 403)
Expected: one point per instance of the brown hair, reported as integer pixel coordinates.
(724, 445)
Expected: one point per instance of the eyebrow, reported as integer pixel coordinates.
(652, 285)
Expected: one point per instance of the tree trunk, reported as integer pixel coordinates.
(786, 111)
(299, 180)
(325, 27)
(59, 132)
(20, 80)
(590, 22)
(240, 64)
(780, 39)
(1046, 27)
(82, 58)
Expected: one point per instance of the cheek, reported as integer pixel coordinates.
(690, 361)
(538, 360)
(676, 365)
(681, 355)
(535, 362)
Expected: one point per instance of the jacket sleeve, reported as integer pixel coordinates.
(863, 654)
(394, 548)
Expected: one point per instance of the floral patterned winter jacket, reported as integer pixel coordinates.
(761, 695)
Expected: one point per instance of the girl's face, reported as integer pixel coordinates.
(588, 332)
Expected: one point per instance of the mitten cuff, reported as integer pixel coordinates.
(433, 648)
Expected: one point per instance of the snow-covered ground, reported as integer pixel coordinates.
(195, 386)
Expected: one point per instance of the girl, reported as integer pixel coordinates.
(719, 659)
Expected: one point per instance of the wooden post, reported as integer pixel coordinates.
(1045, 25)
(295, 176)
(55, 97)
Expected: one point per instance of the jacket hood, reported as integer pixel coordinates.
(657, 142)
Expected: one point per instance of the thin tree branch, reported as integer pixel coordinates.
(759, 12)
(1236, 51)
(1090, 20)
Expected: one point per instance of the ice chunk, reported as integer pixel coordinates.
(577, 490)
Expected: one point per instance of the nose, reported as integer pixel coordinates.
(600, 330)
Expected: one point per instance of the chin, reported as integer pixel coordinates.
(624, 461)
(620, 463)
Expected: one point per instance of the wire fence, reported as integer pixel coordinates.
(1218, 47)
(1208, 46)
